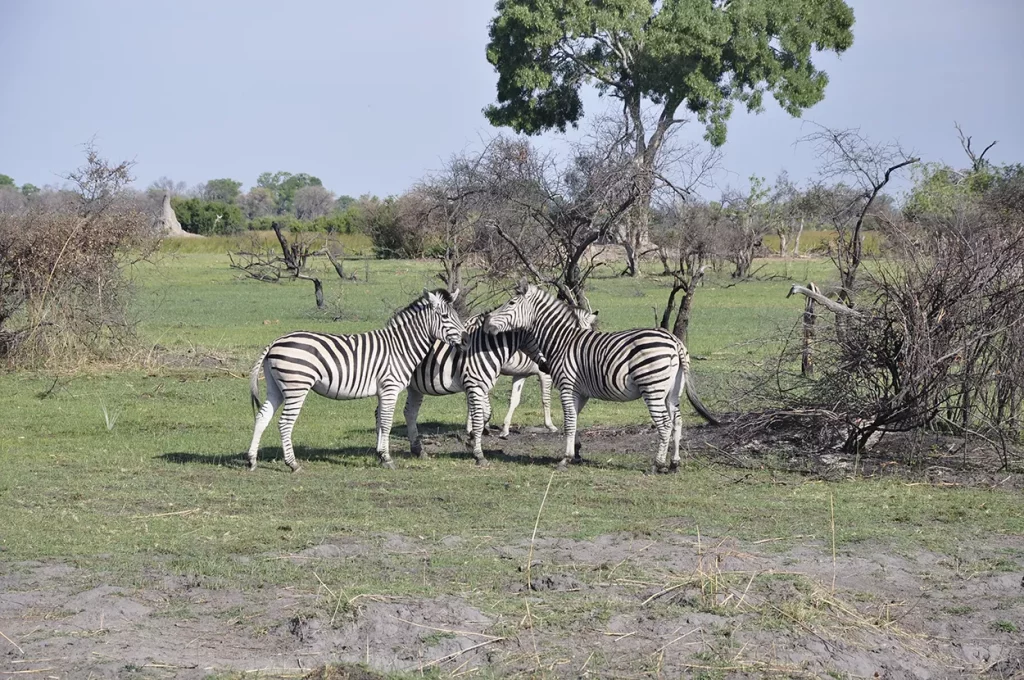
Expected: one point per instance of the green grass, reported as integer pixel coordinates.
(816, 242)
(354, 244)
(164, 484)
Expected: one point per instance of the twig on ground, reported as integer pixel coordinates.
(529, 565)
(16, 646)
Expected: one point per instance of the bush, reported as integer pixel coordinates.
(198, 216)
(64, 293)
(394, 233)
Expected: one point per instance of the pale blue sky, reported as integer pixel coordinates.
(369, 96)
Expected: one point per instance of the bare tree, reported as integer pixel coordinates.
(290, 263)
(258, 202)
(550, 213)
(688, 234)
(861, 169)
(313, 201)
(166, 185)
(978, 161)
(752, 216)
(449, 208)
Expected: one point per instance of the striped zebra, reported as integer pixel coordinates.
(621, 366)
(380, 362)
(474, 368)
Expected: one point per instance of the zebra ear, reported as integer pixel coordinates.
(455, 295)
(522, 286)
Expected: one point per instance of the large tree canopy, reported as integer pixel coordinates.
(702, 54)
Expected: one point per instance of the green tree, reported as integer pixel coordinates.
(224, 190)
(699, 55)
(6, 181)
(29, 190)
(283, 185)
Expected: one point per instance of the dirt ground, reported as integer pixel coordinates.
(710, 608)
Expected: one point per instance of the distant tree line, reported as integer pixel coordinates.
(297, 202)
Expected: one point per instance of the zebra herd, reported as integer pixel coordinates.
(427, 350)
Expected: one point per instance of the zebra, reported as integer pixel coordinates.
(620, 366)
(355, 366)
(474, 368)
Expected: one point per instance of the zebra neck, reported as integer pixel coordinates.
(552, 332)
(410, 334)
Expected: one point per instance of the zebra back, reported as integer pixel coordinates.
(354, 365)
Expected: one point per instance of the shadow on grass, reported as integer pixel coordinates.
(441, 440)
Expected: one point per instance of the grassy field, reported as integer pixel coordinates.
(131, 477)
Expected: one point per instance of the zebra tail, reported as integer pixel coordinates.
(254, 382)
(691, 393)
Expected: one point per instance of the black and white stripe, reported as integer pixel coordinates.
(474, 368)
(380, 362)
(651, 364)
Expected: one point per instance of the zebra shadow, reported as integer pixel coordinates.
(336, 455)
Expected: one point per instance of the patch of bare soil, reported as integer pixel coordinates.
(56, 624)
(616, 606)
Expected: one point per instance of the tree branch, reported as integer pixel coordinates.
(831, 305)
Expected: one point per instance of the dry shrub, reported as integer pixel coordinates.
(939, 342)
(64, 259)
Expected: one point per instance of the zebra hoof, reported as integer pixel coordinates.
(503, 434)
(577, 459)
(673, 467)
(423, 455)
(296, 468)
(252, 467)
(416, 449)
(562, 464)
(387, 464)
(483, 462)
(660, 470)
(551, 428)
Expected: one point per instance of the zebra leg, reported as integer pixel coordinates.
(570, 408)
(486, 401)
(677, 434)
(478, 406)
(657, 404)
(263, 418)
(581, 401)
(387, 398)
(289, 414)
(545, 400)
(413, 400)
(513, 403)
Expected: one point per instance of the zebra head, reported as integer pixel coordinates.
(444, 322)
(517, 313)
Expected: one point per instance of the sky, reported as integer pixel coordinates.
(371, 96)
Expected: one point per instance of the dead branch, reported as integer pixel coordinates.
(832, 305)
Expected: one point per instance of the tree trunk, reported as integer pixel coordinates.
(663, 255)
(666, 316)
(807, 357)
(318, 290)
(681, 327)
(782, 242)
(796, 242)
(638, 221)
(338, 263)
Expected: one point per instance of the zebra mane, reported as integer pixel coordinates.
(416, 305)
(569, 311)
